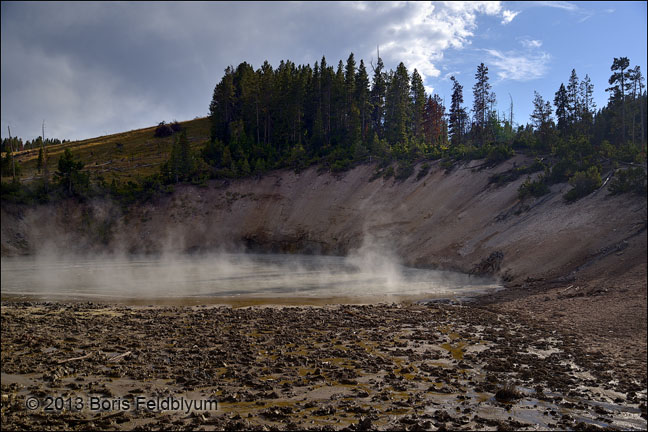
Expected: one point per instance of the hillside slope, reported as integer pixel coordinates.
(123, 156)
(444, 220)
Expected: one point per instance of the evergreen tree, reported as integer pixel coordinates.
(573, 99)
(378, 91)
(588, 106)
(458, 114)
(362, 98)
(484, 99)
(327, 75)
(637, 86)
(541, 117)
(620, 84)
(418, 106)
(265, 79)
(561, 103)
(69, 173)
(349, 83)
(587, 95)
(221, 108)
(397, 104)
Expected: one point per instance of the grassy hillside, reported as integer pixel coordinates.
(123, 156)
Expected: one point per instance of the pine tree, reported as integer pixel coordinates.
(588, 106)
(221, 108)
(265, 78)
(326, 86)
(417, 106)
(637, 86)
(620, 84)
(561, 103)
(378, 91)
(349, 83)
(541, 117)
(573, 99)
(587, 95)
(362, 98)
(397, 113)
(457, 113)
(69, 173)
(484, 99)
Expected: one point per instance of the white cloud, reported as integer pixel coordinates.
(558, 5)
(507, 16)
(424, 30)
(531, 43)
(516, 66)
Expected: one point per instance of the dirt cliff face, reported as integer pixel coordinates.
(452, 220)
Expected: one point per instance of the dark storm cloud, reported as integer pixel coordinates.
(94, 68)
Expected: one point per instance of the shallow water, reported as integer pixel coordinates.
(212, 278)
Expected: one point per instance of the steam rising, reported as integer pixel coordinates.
(368, 272)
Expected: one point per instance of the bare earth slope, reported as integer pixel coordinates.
(580, 265)
(446, 220)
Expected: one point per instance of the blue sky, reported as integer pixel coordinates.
(90, 69)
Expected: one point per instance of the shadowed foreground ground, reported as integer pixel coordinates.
(356, 367)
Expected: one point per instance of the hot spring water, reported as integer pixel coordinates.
(214, 278)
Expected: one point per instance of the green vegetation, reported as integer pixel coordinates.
(69, 175)
(534, 189)
(126, 156)
(423, 171)
(629, 180)
(298, 116)
(515, 173)
(584, 182)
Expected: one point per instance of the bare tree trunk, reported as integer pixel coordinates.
(13, 162)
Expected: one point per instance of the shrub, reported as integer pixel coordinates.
(561, 171)
(341, 165)
(423, 171)
(499, 154)
(447, 165)
(530, 188)
(514, 173)
(163, 130)
(176, 127)
(584, 183)
(388, 172)
(404, 171)
(629, 180)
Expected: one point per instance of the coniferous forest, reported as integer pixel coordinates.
(336, 117)
(296, 116)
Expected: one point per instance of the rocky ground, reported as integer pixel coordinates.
(414, 367)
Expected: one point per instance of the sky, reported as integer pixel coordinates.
(97, 68)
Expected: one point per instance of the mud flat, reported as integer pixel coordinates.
(353, 367)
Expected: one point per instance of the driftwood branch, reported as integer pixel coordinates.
(74, 358)
(119, 357)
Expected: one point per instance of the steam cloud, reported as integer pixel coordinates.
(371, 271)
